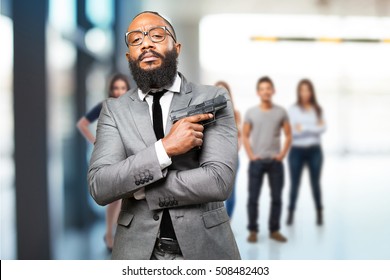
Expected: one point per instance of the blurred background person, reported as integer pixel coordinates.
(306, 117)
(231, 201)
(118, 86)
(262, 140)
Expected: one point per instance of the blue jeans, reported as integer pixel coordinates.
(231, 201)
(275, 172)
(298, 158)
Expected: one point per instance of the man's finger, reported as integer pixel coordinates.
(197, 127)
(198, 134)
(199, 142)
(199, 118)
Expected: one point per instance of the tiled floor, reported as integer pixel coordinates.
(84, 245)
(357, 215)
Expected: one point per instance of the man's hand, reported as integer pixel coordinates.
(185, 134)
(253, 158)
(279, 157)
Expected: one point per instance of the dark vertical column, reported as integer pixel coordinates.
(30, 111)
(85, 215)
(77, 211)
(125, 10)
(117, 31)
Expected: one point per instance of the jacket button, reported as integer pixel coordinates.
(137, 182)
(142, 181)
(156, 217)
(161, 204)
(150, 177)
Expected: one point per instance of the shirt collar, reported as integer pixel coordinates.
(175, 87)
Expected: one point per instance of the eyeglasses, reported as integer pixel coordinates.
(155, 34)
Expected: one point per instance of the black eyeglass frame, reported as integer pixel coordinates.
(146, 33)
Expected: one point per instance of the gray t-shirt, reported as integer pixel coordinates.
(266, 127)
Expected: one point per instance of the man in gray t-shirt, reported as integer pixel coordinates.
(266, 126)
(261, 137)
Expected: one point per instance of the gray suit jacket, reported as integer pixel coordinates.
(193, 187)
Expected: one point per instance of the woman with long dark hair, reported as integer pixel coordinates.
(231, 201)
(118, 86)
(307, 122)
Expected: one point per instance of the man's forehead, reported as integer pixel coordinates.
(145, 21)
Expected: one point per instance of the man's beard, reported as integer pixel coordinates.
(157, 78)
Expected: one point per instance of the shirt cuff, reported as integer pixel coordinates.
(140, 194)
(162, 156)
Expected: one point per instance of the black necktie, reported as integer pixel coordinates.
(166, 227)
(157, 114)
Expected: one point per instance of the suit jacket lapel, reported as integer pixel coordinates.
(179, 100)
(141, 117)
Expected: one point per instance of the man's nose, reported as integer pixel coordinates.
(147, 43)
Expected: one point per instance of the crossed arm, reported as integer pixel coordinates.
(111, 173)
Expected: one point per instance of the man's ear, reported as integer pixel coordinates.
(178, 47)
(128, 56)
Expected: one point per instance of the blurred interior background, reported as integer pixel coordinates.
(57, 55)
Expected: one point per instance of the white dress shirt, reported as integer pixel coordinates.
(165, 102)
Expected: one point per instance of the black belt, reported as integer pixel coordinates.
(168, 245)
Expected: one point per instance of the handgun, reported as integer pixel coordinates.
(208, 106)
